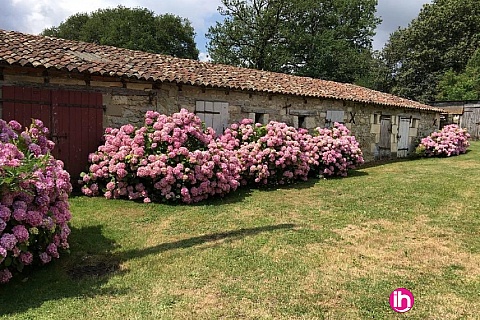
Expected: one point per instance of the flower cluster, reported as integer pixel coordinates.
(269, 155)
(174, 158)
(34, 190)
(170, 158)
(450, 141)
(332, 152)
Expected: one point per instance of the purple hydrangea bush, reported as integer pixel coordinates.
(34, 189)
(451, 140)
(269, 154)
(332, 152)
(170, 158)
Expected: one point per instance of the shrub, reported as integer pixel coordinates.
(450, 141)
(269, 154)
(34, 190)
(171, 158)
(332, 152)
(174, 158)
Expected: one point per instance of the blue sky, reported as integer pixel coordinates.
(32, 16)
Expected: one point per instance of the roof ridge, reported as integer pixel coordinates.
(63, 54)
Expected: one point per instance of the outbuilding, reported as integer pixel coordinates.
(77, 89)
(466, 114)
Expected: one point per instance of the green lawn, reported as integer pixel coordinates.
(324, 249)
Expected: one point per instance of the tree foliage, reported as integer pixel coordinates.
(464, 85)
(441, 38)
(323, 39)
(137, 29)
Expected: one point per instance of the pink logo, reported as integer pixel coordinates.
(401, 300)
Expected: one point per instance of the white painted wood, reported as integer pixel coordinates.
(213, 114)
(403, 130)
(199, 109)
(208, 106)
(335, 116)
(200, 106)
(209, 120)
(223, 117)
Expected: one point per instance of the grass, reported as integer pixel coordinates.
(323, 249)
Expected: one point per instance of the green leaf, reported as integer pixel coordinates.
(8, 261)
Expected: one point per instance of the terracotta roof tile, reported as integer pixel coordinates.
(52, 53)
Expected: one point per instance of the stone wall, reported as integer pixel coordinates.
(126, 102)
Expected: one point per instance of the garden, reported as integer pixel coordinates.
(239, 226)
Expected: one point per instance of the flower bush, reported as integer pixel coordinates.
(332, 152)
(174, 158)
(450, 141)
(269, 154)
(170, 158)
(34, 190)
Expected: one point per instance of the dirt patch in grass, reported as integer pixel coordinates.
(407, 250)
(94, 266)
(402, 248)
(448, 306)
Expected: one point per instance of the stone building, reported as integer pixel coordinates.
(79, 88)
(466, 114)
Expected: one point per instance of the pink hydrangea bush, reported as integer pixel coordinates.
(34, 189)
(450, 141)
(269, 154)
(170, 158)
(332, 152)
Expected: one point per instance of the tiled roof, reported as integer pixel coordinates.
(66, 55)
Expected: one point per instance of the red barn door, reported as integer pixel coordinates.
(75, 120)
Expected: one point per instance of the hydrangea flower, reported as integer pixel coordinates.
(175, 158)
(269, 154)
(21, 233)
(5, 275)
(34, 204)
(171, 158)
(450, 141)
(332, 152)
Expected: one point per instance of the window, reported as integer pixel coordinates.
(334, 116)
(258, 117)
(214, 114)
(261, 118)
(302, 122)
(414, 123)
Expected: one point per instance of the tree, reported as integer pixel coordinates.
(441, 38)
(378, 76)
(137, 29)
(464, 85)
(323, 39)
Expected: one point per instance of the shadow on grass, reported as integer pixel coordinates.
(86, 271)
(377, 163)
(236, 196)
(244, 192)
(312, 181)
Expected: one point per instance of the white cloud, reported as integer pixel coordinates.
(203, 56)
(395, 14)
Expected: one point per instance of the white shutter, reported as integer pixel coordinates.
(209, 114)
(200, 109)
(335, 116)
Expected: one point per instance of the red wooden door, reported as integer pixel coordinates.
(75, 120)
(23, 104)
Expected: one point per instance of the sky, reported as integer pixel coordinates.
(32, 16)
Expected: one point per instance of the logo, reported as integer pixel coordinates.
(401, 300)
